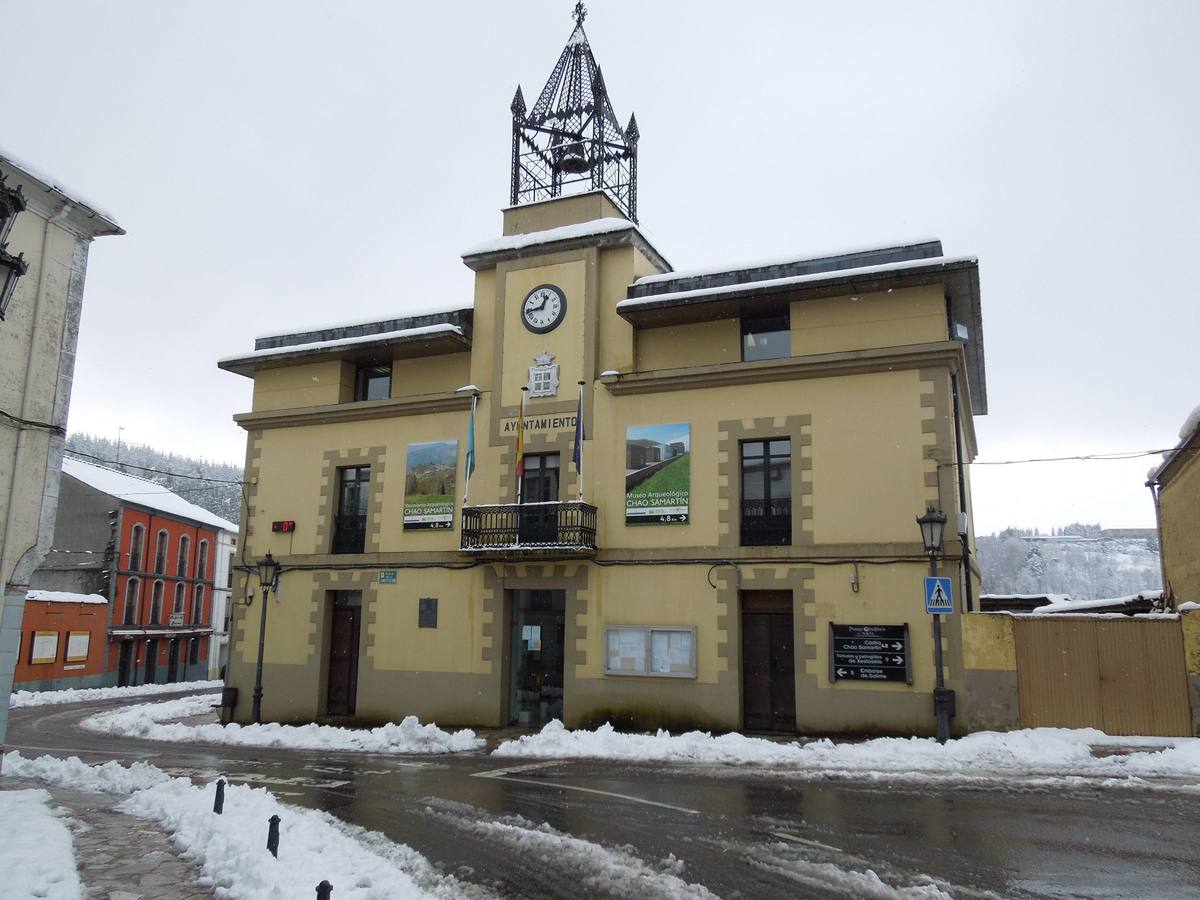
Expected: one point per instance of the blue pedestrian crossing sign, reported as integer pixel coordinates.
(939, 596)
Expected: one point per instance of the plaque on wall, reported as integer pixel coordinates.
(869, 653)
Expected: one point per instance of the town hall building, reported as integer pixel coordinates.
(603, 490)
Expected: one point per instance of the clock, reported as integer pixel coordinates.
(543, 308)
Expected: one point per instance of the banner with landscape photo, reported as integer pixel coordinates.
(658, 473)
(429, 484)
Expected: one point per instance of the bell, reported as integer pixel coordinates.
(574, 159)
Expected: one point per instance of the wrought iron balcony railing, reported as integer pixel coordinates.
(349, 534)
(529, 527)
(767, 523)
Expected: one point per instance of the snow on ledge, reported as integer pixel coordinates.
(64, 597)
(1190, 425)
(158, 722)
(552, 235)
(402, 334)
(811, 278)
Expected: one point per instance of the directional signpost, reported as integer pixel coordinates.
(939, 595)
(869, 653)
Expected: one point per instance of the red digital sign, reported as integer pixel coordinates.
(284, 527)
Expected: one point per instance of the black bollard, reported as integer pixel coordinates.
(324, 891)
(273, 836)
(219, 802)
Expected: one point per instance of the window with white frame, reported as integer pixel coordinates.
(659, 651)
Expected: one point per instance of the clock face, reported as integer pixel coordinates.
(544, 308)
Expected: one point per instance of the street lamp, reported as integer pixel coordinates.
(268, 575)
(11, 269)
(933, 527)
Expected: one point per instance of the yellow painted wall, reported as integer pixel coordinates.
(866, 321)
(1179, 502)
(570, 210)
(988, 642)
(565, 342)
(696, 344)
(303, 384)
(455, 645)
(430, 374)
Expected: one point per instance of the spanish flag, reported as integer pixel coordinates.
(521, 438)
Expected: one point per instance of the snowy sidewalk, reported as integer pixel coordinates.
(118, 857)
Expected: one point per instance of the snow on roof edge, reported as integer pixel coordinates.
(811, 278)
(609, 225)
(56, 185)
(63, 597)
(268, 352)
(358, 323)
(780, 261)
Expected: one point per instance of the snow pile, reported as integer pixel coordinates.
(110, 778)
(155, 721)
(1052, 751)
(1189, 606)
(80, 695)
(64, 597)
(36, 855)
(230, 849)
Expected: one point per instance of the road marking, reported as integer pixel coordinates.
(809, 843)
(504, 775)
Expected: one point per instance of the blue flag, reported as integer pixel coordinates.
(577, 457)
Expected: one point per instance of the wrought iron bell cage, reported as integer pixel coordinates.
(571, 140)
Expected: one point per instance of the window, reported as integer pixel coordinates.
(156, 601)
(185, 545)
(229, 582)
(373, 382)
(766, 493)
(135, 548)
(198, 606)
(131, 601)
(160, 554)
(202, 561)
(664, 652)
(766, 337)
(427, 612)
(350, 523)
(180, 598)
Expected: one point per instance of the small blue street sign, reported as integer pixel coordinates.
(939, 595)
(387, 577)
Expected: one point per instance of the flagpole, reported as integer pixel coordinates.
(470, 465)
(521, 449)
(579, 438)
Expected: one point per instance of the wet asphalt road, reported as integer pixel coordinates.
(518, 828)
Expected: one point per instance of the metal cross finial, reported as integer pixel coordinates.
(580, 13)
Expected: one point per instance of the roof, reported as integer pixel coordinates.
(613, 231)
(64, 597)
(1189, 431)
(140, 492)
(94, 220)
(446, 330)
(707, 294)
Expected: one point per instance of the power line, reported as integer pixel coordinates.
(1087, 457)
(109, 462)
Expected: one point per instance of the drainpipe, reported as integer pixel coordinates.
(1168, 596)
(968, 594)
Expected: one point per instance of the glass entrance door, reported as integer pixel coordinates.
(536, 669)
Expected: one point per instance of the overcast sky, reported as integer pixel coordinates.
(280, 164)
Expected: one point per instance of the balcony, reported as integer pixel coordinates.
(767, 523)
(529, 528)
(349, 534)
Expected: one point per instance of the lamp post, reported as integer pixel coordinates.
(268, 575)
(933, 527)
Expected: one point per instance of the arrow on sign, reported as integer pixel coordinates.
(898, 660)
(841, 672)
(897, 646)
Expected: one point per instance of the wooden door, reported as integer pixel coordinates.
(768, 661)
(343, 661)
(151, 661)
(173, 661)
(123, 663)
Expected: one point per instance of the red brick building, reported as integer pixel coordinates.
(62, 645)
(152, 554)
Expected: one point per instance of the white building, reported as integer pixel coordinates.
(222, 594)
